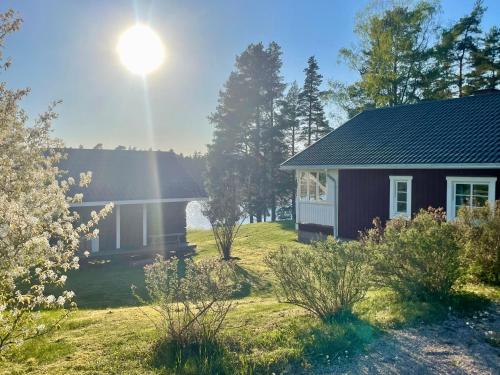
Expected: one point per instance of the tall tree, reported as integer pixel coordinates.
(246, 130)
(314, 122)
(391, 57)
(455, 50)
(289, 120)
(485, 72)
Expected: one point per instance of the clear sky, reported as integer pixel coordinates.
(67, 50)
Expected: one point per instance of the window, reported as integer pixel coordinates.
(472, 192)
(312, 186)
(400, 196)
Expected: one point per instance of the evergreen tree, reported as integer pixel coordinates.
(314, 122)
(289, 120)
(248, 143)
(454, 53)
(486, 63)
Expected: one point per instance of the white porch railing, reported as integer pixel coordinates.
(316, 212)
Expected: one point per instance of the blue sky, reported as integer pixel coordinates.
(66, 50)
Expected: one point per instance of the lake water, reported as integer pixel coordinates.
(196, 220)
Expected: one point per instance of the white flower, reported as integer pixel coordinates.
(50, 299)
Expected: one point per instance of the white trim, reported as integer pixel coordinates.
(118, 226)
(392, 196)
(144, 224)
(136, 201)
(451, 182)
(394, 166)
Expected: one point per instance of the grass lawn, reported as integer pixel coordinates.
(111, 333)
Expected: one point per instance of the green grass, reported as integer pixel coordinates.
(110, 333)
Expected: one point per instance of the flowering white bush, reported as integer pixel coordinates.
(39, 235)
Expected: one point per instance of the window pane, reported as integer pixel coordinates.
(462, 200)
(480, 190)
(401, 207)
(463, 189)
(312, 185)
(401, 186)
(322, 186)
(401, 197)
(303, 185)
(478, 201)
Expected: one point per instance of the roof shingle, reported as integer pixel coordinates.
(455, 131)
(130, 175)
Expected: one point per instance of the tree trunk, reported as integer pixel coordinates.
(273, 210)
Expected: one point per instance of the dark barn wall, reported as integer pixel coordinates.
(364, 193)
(167, 218)
(131, 226)
(107, 228)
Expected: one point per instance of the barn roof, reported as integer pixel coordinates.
(443, 132)
(119, 175)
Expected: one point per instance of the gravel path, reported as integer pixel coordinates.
(456, 346)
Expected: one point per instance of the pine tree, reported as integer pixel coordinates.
(289, 120)
(314, 122)
(455, 50)
(486, 63)
(247, 140)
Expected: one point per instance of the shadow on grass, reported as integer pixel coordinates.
(250, 282)
(293, 347)
(195, 358)
(386, 309)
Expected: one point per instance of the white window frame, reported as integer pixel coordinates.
(452, 181)
(393, 212)
(316, 184)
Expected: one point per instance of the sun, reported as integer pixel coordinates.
(141, 50)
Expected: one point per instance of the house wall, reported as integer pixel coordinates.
(162, 218)
(364, 193)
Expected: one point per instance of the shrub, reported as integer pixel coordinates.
(417, 258)
(479, 237)
(325, 279)
(192, 300)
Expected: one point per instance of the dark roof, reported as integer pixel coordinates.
(130, 175)
(454, 131)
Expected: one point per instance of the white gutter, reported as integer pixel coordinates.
(136, 201)
(394, 166)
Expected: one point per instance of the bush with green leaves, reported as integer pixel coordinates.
(326, 279)
(479, 237)
(418, 258)
(192, 298)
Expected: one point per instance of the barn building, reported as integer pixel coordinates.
(150, 191)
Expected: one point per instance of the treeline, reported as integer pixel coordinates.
(402, 56)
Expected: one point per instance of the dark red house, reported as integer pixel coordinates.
(393, 161)
(150, 191)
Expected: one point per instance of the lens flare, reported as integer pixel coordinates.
(141, 50)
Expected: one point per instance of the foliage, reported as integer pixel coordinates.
(226, 216)
(192, 299)
(486, 62)
(479, 236)
(313, 121)
(248, 143)
(259, 335)
(326, 279)
(418, 258)
(455, 50)
(39, 235)
(391, 57)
